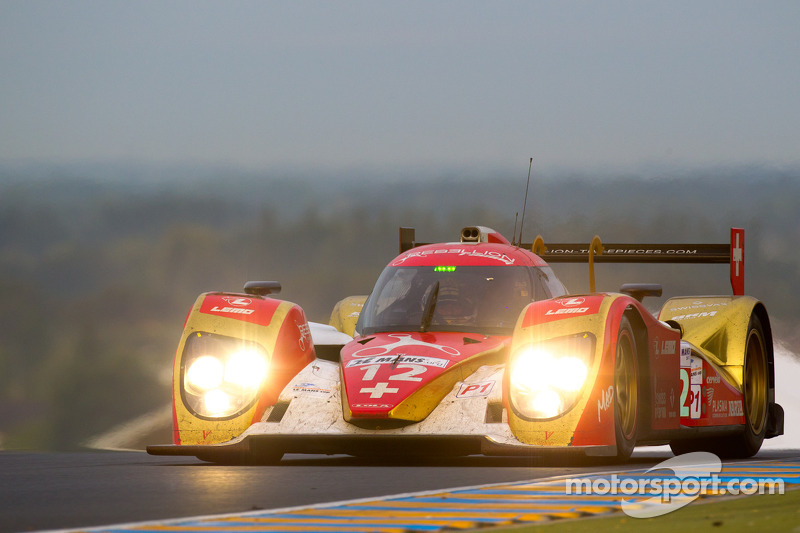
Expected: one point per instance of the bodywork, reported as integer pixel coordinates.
(549, 379)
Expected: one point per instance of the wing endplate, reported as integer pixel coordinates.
(737, 261)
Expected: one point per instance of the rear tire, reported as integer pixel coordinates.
(626, 391)
(755, 387)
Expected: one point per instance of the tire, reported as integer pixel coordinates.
(679, 447)
(755, 388)
(626, 391)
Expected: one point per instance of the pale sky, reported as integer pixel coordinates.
(342, 85)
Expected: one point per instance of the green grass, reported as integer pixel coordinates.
(777, 512)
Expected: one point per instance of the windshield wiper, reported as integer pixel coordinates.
(430, 306)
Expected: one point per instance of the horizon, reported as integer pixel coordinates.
(149, 172)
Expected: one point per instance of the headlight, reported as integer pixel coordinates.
(547, 379)
(221, 376)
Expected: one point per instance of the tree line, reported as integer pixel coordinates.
(97, 274)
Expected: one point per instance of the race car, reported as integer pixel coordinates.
(476, 347)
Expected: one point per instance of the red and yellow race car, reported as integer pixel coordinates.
(475, 347)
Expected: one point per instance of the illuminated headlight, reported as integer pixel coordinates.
(221, 376)
(547, 379)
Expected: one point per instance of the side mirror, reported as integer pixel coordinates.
(640, 290)
(262, 288)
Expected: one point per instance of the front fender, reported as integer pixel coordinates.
(278, 327)
(717, 326)
(590, 420)
(345, 314)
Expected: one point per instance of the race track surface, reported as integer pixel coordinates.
(78, 490)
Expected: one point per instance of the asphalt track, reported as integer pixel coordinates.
(81, 490)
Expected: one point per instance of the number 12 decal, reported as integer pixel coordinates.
(409, 375)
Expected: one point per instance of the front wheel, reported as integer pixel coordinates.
(626, 391)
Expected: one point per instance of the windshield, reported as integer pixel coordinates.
(481, 299)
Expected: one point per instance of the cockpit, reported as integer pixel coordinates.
(479, 299)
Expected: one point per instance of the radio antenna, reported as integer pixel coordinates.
(514, 235)
(525, 203)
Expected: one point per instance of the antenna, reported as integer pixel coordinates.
(525, 204)
(514, 235)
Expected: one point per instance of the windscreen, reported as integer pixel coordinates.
(481, 299)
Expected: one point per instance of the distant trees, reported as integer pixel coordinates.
(96, 276)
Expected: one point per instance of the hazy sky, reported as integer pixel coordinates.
(377, 84)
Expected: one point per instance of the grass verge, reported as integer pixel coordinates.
(776, 512)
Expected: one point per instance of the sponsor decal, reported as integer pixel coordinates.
(305, 335)
(605, 401)
(644, 251)
(237, 301)
(484, 254)
(372, 405)
(719, 406)
(697, 371)
(570, 306)
(233, 310)
(735, 408)
(310, 389)
(664, 347)
(660, 407)
(699, 305)
(233, 307)
(236, 306)
(561, 308)
(572, 302)
(567, 311)
(398, 359)
(625, 251)
(471, 390)
(686, 354)
(661, 398)
(705, 314)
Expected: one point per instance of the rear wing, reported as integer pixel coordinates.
(596, 251)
